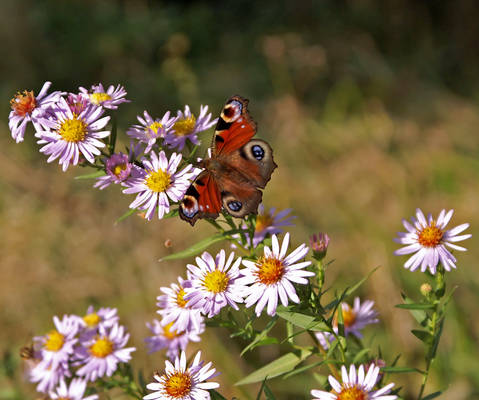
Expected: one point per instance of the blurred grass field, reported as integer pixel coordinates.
(371, 108)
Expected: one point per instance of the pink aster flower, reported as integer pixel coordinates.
(118, 169)
(77, 103)
(187, 126)
(71, 135)
(109, 98)
(183, 382)
(159, 183)
(355, 385)
(427, 239)
(101, 354)
(27, 107)
(166, 338)
(151, 129)
(214, 283)
(173, 307)
(75, 391)
(273, 275)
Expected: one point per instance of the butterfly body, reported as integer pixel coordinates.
(238, 167)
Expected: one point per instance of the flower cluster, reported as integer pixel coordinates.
(86, 348)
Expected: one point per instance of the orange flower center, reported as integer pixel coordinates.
(352, 393)
(262, 222)
(349, 316)
(169, 333)
(178, 385)
(180, 301)
(102, 347)
(270, 270)
(430, 236)
(23, 104)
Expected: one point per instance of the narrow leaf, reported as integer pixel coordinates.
(215, 395)
(261, 336)
(304, 321)
(269, 394)
(92, 175)
(419, 315)
(352, 289)
(196, 248)
(415, 306)
(275, 368)
(432, 396)
(360, 355)
(129, 213)
(423, 336)
(302, 369)
(400, 370)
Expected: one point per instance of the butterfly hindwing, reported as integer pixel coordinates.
(201, 200)
(235, 127)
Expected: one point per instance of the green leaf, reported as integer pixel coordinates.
(432, 396)
(196, 248)
(215, 395)
(423, 336)
(400, 370)
(261, 336)
(275, 368)
(304, 321)
(172, 213)
(352, 289)
(302, 369)
(419, 315)
(415, 306)
(91, 175)
(360, 355)
(269, 394)
(129, 213)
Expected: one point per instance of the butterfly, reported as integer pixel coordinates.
(238, 167)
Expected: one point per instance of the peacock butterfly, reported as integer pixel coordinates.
(235, 171)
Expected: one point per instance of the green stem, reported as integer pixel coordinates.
(323, 352)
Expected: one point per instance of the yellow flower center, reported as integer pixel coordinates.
(73, 130)
(180, 301)
(158, 181)
(24, 103)
(270, 270)
(352, 393)
(430, 236)
(102, 347)
(178, 385)
(184, 126)
(349, 316)
(262, 222)
(91, 319)
(98, 98)
(55, 341)
(169, 333)
(119, 168)
(155, 127)
(216, 281)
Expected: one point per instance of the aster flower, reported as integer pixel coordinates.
(118, 169)
(75, 391)
(427, 239)
(175, 308)
(166, 338)
(187, 126)
(101, 354)
(109, 98)
(272, 275)
(182, 382)
(71, 134)
(104, 316)
(158, 183)
(27, 107)
(48, 377)
(356, 385)
(214, 283)
(77, 103)
(151, 129)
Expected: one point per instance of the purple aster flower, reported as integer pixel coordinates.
(187, 126)
(214, 283)
(151, 129)
(118, 169)
(428, 239)
(27, 107)
(159, 183)
(72, 134)
(272, 275)
(355, 385)
(101, 354)
(104, 316)
(182, 382)
(175, 308)
(48, 377)
(75, 391)
(109, 98)
(77, 103)
(174, 341)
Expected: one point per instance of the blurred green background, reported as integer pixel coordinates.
(371, 107)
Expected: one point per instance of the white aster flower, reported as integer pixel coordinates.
(182, 382)
(355, 386)
(427, 239)
(214, 283)
(75, 391)
(175, 308)
(159, 183)
(273, 275)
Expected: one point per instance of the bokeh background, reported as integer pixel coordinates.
(371, 107)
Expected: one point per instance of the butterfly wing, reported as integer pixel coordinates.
(201, 200)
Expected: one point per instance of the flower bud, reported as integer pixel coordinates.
(319, 245)
(425, 289)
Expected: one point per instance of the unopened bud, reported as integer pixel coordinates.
(425, 289)
(319, 244)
